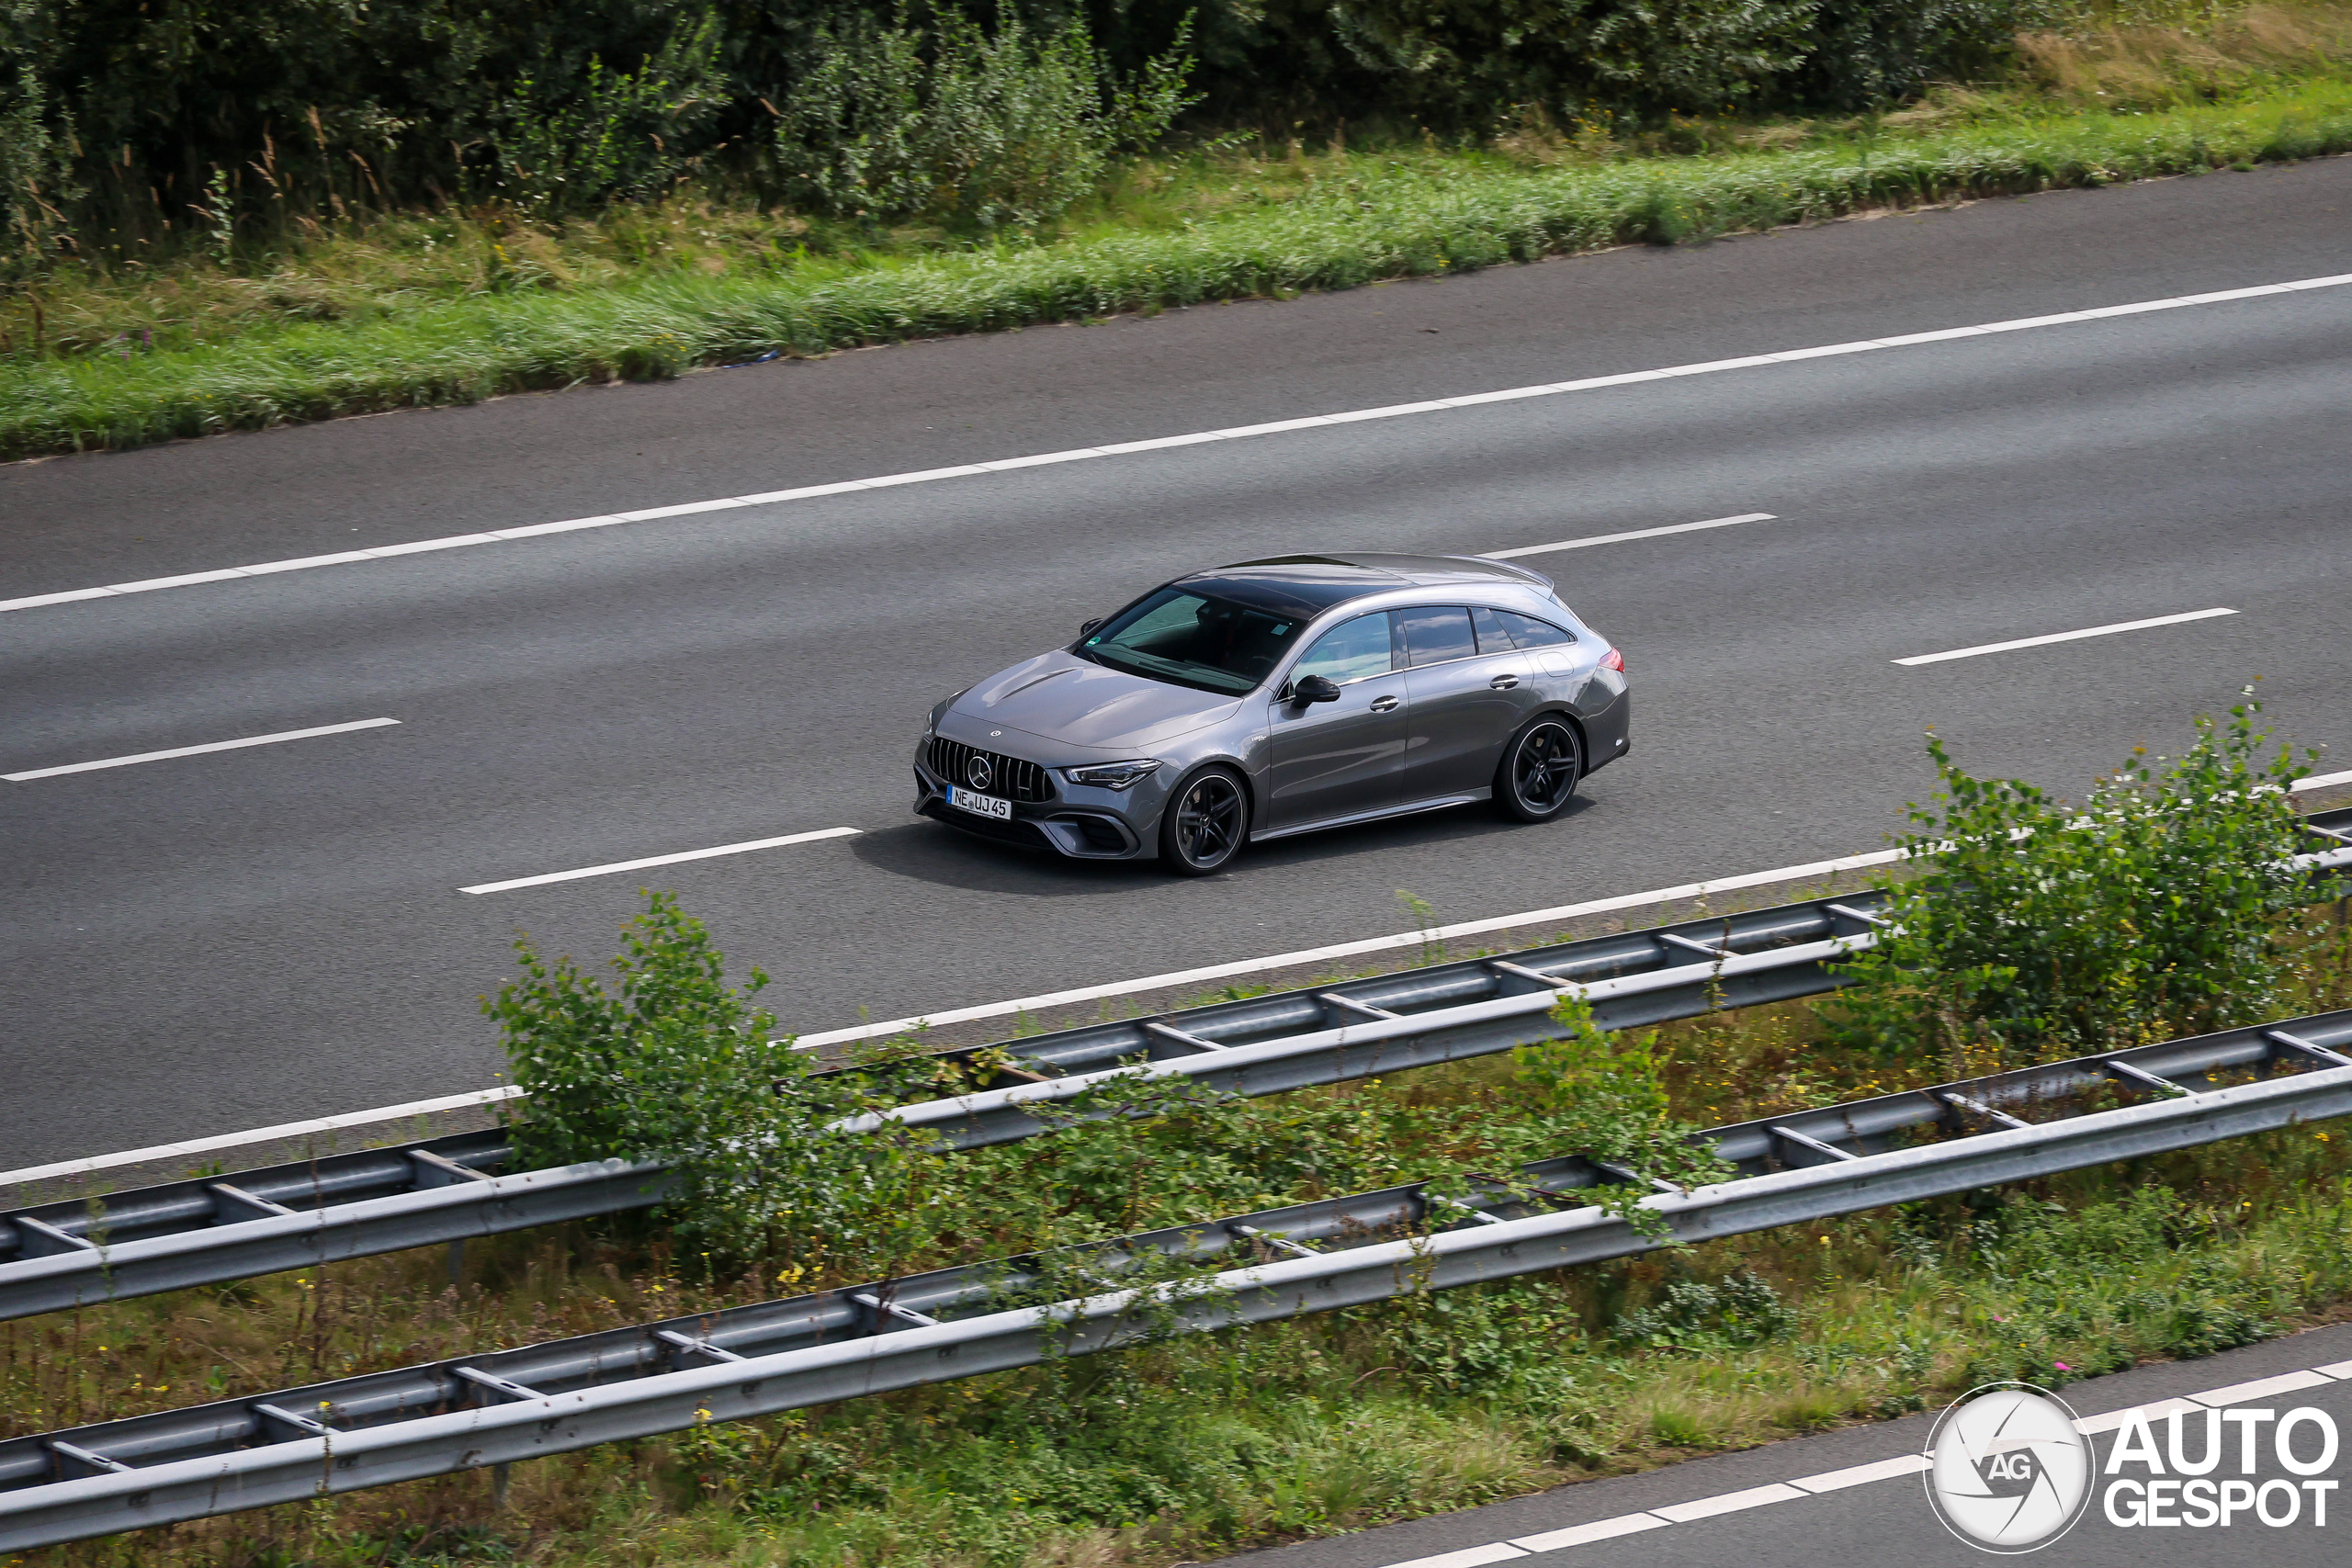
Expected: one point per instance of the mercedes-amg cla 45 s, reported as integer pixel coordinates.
(1281, 696)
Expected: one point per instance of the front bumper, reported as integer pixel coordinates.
(1066, 823)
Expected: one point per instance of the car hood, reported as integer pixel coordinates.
(1072, 700)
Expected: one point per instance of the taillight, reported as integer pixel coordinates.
(1612, 660)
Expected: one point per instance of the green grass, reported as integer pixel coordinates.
(1193, 1448)
(1196, 1447)
(1337, 220)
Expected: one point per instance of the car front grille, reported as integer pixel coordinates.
(1008, 776)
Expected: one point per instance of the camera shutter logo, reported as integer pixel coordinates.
(978, 772)
(2007, 1470)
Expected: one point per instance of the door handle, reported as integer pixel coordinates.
(1384, 704)
(1503, 682)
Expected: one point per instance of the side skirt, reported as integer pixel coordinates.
(1468, 797)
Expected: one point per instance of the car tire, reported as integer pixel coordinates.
(1540, 770)
(1205, 822)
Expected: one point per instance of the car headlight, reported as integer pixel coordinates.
(1112, 775)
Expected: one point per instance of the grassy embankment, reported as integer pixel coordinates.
(400, 311)
(1193, 1448)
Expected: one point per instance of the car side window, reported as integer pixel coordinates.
(1436, 633)
(1349, 651)
(1529, 632)
(1492, 639)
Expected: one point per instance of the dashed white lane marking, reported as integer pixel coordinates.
(1862, 1474)
(2264, 1388)
(2045, 641)
(1584, 1535)
(1838, 1480)
(1469, 1557)
(1728, 1503)
(31, 773)
(93, 1165)
(1164, 442)
(1621, 538)
(620, 866)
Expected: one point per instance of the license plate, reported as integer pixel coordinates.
(980, 804)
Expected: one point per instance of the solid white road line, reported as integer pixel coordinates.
(1855, 1475)
(621, 865)
(2064, 637)
(1163, 442)
(196, 750)
(1344, 950)
(1620, 538)
(94, 1163)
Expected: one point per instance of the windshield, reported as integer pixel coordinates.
(1211, 645)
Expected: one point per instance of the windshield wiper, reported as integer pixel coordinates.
(1169, 676)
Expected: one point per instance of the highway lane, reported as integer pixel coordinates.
(383, 480)
(219, 940)
(1889, 1520)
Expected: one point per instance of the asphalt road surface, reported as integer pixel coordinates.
(1740, 1508)
(219, 940)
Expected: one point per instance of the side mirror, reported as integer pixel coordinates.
(1090, 625)
(1313, 689)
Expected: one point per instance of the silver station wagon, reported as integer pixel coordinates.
(1281, 696)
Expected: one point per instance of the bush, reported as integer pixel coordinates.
(672, 1066)
(994, 132)
(36, 176)
(119, 117)
(1742, 1309)
(1600, 1095)
(2163, 906)
(611, 134)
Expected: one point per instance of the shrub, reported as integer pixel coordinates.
(36, 176)
(994, 132)
(2165, 905)
(1591, 1092)
(578, 144)
(1741, 1309)
(672, 1064)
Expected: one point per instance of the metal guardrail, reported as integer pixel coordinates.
(494, 1409)
(209, 1230)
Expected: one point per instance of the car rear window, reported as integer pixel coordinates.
(1526, 631)
(1434, 634)
(1187, 640)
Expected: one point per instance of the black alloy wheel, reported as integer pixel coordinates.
(1540, 770)
(1205, 822)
